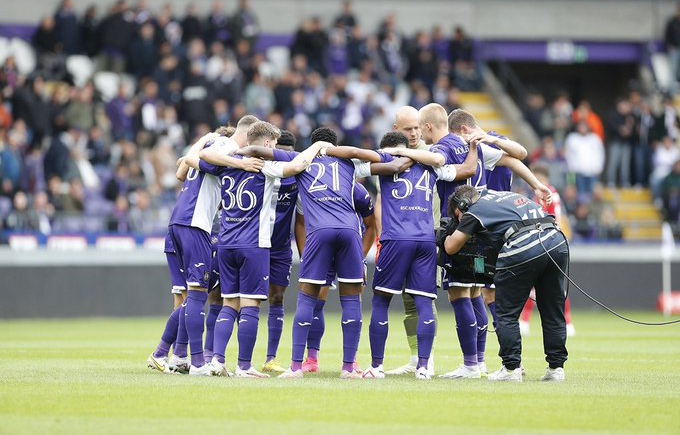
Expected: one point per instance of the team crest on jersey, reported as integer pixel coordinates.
(206, 276)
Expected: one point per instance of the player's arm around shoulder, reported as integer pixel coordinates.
(350, 153)
(302, 161)
(436, 160)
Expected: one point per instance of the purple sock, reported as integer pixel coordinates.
(247, 335)
(296, 365)
(195, 320)
(378, 328)
(317, 330)
(304, 314)
(351, 327)
(426, 329)
(224, 326)
(494, 316)
(466, 327)
(275, 325)
(169, 335)
(348, 367)
(182, 342)
(482, 325)
(210, 319)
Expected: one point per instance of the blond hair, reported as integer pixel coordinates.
(433, 114)
(262, 130)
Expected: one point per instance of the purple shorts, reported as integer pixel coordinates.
(330, 247)
(280, 264)
(214, 280)
(244, 272)
(192, 246)
(176, 274)
(408, 265)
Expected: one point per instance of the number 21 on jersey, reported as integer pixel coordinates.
(317, 184)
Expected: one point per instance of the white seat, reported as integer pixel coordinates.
(279, 57)
(4, 49)
(662, 70)
(81, 68)
(24, 55)
(106, 83)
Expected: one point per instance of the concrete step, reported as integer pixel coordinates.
(628, 195)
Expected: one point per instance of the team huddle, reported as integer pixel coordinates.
(246, 192)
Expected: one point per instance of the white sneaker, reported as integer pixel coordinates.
(463, 372)
(405, 369)
(160, 364)
(571, 331)
(524, 328)
(423, 374)
(374, 373)
(482, 369)
(204, 370)
(505, 375)
(350, 375)
(250, 373)
(553, 375)
(430, 366)
(179, 365)
(290, 374)
(219, 369)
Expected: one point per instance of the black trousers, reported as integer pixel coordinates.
(513, 286)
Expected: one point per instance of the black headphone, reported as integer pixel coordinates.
(462, 204)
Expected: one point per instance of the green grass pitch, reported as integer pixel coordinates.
(90, 376)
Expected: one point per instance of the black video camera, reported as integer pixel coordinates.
(471, 264)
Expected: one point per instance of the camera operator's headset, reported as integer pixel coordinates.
(462, 204)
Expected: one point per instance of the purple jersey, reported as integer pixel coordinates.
(407, 201)
(198, 199)
(455, 150)
(362, 204)
(326, 192)
(500, 178)
(285, 208)
(247, 205)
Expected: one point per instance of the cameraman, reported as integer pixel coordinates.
(525, 239)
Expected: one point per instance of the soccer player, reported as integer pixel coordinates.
(365, 212)
(407, 261)
(406, 122)
(333, 239)
(434, 127)
(245, 238)
(555, 208)
(189, 227)
(463, 124)
(281, 258)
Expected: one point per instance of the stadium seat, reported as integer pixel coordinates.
(4, 49)
(81, 68)
(662, 70)
(106, 83)
(279, 57)
(23, 54)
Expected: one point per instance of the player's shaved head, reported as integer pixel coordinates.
(406, 123)
(405, 114)
(435, 115)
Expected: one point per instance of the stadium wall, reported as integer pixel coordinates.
(136, 283)
(624, 20)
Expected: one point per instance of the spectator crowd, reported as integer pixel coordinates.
(81, 155)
